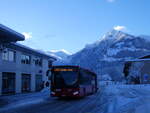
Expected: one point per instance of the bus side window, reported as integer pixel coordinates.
(81, 78)
(49, 78)
(93, 81)
(85, 78)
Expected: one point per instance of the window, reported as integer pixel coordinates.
(25, 59)
(38, 61)
(85, 77)
(11, 55)
(5, 55)
(8, 55)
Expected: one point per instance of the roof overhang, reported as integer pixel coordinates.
(8, 35)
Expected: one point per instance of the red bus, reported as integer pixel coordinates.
(72, 81)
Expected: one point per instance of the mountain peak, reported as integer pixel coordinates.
(111, 36)
(116, 35)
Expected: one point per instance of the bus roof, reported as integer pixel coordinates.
(63, 66)
(72, 66)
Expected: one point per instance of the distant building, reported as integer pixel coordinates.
(137, 71)
(22, 69)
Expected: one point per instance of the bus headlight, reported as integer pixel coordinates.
(53, 93)
(75, 93)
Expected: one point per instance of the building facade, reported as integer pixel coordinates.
(137, 71)
(22, 69)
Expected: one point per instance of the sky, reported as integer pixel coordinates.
(71, 24)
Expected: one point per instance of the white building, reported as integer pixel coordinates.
(22, 69)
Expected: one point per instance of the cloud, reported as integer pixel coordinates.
(119, 28)
(27, 35)
(110, 1)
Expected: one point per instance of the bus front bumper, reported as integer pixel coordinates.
(65, 93)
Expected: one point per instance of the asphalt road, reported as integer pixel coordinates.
(89, 104)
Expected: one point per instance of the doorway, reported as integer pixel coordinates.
(26, 82)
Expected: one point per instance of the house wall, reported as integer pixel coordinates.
(139, 70)
(145, 73)
(18, 68)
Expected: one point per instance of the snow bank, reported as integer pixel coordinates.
(19, 100)
(45, 91)
(127, 98)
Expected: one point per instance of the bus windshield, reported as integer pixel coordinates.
(64, 78)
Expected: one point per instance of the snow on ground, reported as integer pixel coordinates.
(109, 99)
(18, 100)
(127, 99)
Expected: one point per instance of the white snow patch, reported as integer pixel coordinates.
(20, 100)
(46, 91)
(109, 59)
(62, 50)
(106, 77)
(119, 45)
(57, 57)
(115, 51)
(127, 98)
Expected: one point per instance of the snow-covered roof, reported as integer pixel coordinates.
(29, 50)
(9, 35)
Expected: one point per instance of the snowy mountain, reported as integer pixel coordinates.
(59, 54)
(107, 55)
